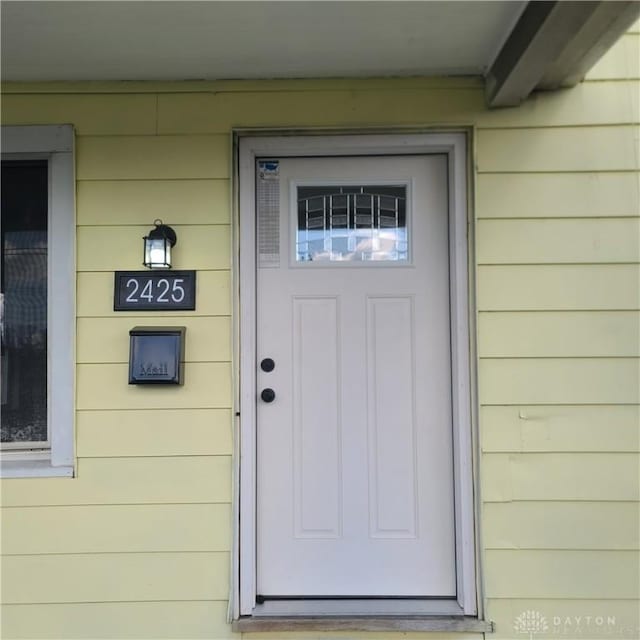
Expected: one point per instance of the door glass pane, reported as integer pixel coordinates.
(24, 302)
(352, 223)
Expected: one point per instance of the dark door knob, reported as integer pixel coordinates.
(267, 365)
(268, 395)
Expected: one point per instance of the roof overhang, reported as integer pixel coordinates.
(553, 45)
(518, 46)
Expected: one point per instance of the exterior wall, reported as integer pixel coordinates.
(138, 544)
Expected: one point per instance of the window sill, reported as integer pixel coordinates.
(363, 623)
(33, 469)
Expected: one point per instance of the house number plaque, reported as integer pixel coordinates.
(154, 291)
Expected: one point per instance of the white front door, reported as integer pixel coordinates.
(354, 454)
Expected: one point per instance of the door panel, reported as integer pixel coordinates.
(317, 442)
(354, 455)
(391, 431)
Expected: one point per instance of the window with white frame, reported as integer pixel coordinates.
(37, 274)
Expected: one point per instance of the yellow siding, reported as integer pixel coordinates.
(89, 114)
(559, 287)
(171, 480)
(558, 241)
(152, 157)
(595, 427)
(139, 202)
(114, 577)
(567, 149)
(559, 381)
(563, 574)
(208, 338)
(206, 247)
(137, 545)
(560, 476)
(620, 62)
(139, 620)
(219, 112)
(209, 386)
(591, 103)
(562, 525)
(568, 618)
(557, 195)
(153, 432)
(559, 334)
(90, 529)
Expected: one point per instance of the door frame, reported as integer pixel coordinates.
(455, 146)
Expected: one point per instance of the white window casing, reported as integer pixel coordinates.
(55, 143)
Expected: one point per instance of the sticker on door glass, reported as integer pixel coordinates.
(268, 169)
(355, 223)
(268, 212)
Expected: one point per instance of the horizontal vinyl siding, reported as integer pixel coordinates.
(584, 619)
(588, 526)
(558, 195)
(90, 529)
(153, 432)
(136, 202)
(563, 574)
(572, 334)
(152, 157)
(558, 294)
(559, 287)
(130, 480)
(566, 241)
(209, 244)
(139, 620)
(560, 428)
(506, 381)
(137, 545)
(209, 387)
(558, 149)
(208, 339)
(621, 62)
(114, 577)
(566, 476)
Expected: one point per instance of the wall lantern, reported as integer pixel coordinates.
(157, 246)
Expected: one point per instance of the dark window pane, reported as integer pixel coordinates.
(24, 293)
(352, 223)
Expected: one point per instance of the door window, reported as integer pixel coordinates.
(355, 223)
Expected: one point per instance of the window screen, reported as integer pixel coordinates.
(24, 302)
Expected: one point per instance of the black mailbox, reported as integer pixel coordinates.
(156, 355)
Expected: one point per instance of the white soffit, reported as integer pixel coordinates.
(179, 40)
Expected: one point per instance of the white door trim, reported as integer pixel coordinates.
(455, 146)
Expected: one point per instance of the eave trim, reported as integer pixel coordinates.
(553, 45)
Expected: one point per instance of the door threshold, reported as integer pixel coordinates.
(464, 624)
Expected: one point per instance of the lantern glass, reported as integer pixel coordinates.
(157, 253)
(157, 246)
